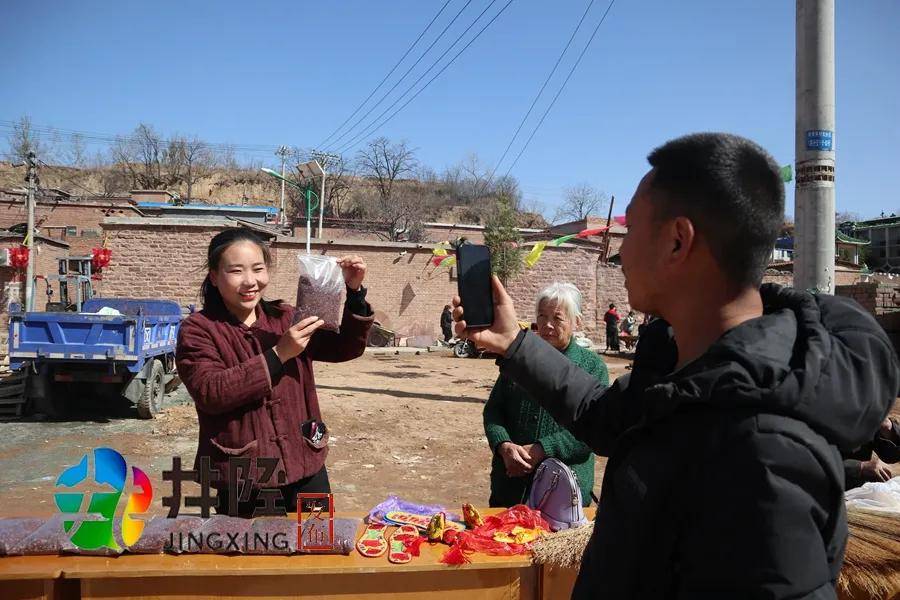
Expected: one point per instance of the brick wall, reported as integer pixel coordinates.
(157, 261)
(784, 278)
(406, 292)
(154, 261)
(882, 300)
(876, 297)
(84, 215)
(12, 283)
(566, 265)
(887, 299)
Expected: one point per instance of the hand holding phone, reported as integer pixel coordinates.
(474, 284)
(501, 334)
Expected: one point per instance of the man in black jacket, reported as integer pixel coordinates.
(725, 477)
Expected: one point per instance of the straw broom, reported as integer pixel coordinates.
(872, 560)
(871, 563)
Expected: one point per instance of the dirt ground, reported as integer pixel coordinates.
(406, 425)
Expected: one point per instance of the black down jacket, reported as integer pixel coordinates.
(725, 477)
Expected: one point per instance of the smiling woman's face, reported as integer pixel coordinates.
(241, 277)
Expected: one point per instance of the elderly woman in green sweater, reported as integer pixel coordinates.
(520, 433)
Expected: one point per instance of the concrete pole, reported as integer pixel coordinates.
(283, 153)
(322, 202)
(814, 247)
(29, 235)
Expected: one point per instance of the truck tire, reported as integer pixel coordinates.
(53, 404)
(150, 402)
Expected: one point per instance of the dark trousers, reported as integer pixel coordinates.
(612, 338)
(447, 335)
(314, 484)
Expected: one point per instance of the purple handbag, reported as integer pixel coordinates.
(555, 492)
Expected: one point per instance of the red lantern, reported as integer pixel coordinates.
(18, 257)
(100, 258)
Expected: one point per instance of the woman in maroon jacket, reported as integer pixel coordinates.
(249, 371)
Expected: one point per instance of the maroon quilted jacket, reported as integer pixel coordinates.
(242, 412)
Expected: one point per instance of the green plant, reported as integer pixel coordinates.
(502, 236)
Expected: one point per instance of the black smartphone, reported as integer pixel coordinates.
(474, 283)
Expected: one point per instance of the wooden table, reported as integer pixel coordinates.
(196, 576)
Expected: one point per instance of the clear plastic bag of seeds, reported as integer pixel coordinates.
(14, 531)
(274, 535)
(180, 535)
(46, 539)
(222, 534)
(163, 534)
(320, 290)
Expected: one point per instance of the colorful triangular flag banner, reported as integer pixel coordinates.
(787, 173)
(532, 257)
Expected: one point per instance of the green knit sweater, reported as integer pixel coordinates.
(510, 415)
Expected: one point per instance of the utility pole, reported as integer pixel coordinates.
(814, 147)
(612, 202)
(283, 152)
(29, 235)
(323, 158)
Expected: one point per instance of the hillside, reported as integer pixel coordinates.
(348, 195)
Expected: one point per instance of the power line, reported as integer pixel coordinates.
(394, 68)
(540, 92)
(372, 130)
(409, 70)
(70, 180)
(366, 129)
(51, 132)
(562, 87)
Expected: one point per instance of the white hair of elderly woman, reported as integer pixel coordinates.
(564, 295)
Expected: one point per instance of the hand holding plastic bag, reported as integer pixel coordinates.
(320, 289)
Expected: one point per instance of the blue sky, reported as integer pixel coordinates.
(291, 72)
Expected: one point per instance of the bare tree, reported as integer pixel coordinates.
(393, 214)
(401, 219)
(150, 162)
(476, 176)
(76, 153)
(228, 159)
(843, 217)
(507, 187)
(385, 162)
(581, 201)
(197, 159)
(339, 186)
(23, 139)
(468, 180)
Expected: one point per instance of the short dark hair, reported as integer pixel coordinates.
(731, 190)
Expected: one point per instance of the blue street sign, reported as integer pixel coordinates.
(819, 139)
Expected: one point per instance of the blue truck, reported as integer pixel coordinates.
(110, 348)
